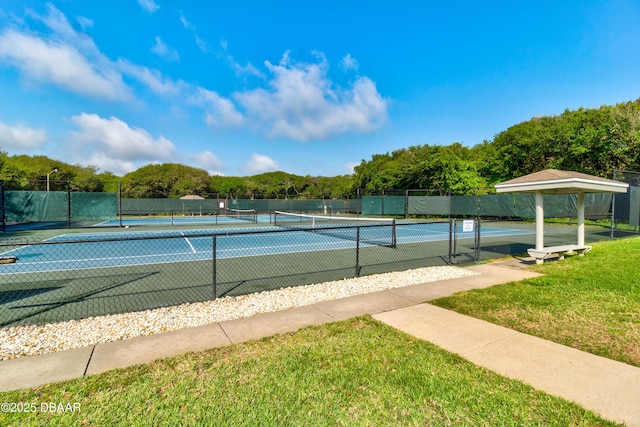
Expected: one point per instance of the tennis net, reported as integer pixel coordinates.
(243, 214)
(373, 231)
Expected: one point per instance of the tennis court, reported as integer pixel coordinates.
(229, 217)
(223, 216)
(101, 250)
(77, 275)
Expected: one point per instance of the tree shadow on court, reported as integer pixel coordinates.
(52, 301)
(16, 291)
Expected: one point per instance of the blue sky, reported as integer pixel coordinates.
(310, 88)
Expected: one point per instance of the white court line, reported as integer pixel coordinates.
(189, 243)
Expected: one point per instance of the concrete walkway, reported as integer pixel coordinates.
(609, 388)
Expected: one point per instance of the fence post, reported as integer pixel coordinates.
(450, 241)
(358, 251)
(214, 244)
(3, 216)
(120, 202)
(69, 204)
(477, 252)
(406, 203)
(455, 238)
(613, 210)
(394, 235)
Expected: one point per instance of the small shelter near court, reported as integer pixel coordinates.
(553, 181)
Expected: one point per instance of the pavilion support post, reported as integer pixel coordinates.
(539, 221)
(580, 219)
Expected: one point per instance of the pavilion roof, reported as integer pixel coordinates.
(554, 181)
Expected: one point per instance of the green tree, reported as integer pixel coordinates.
(279, 185)
(168, 180)
(233, 187)
(383, 171)
(593, 141)
(24, 172)
(524, 148)
(445, 168)
(442, 168)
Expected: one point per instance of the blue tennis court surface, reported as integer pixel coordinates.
(142, 221)
(101, 250)
(177, 220)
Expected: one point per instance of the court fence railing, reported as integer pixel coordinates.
(625, 207)
(69, 209)
(78, 276)
(70, 204)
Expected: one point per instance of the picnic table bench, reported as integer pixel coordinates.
(541, 254)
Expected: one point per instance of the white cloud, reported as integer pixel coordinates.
(186, 24)
(350, 168)
(71, 60)
(348, 63)
(64, 58)
(113, 145)
(203, 45)
(209, 161)
(302, 103)
(244, 70)
(219, 111)
(21, 138)
(84, 22)
(153, 79)
(150, 6)
(105, 163)
(61, 64)
(58, 22)
(162, 50)
(260, 163)
(240, 70)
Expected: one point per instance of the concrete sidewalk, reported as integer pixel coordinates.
(609, 388)
(606, 387)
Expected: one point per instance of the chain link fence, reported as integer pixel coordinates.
(625, 211)
(71, 204)
(75, 276)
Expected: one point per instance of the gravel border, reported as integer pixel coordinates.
(21, 341)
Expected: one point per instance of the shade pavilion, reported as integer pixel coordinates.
(553, 181)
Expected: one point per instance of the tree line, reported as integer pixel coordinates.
(593, 141)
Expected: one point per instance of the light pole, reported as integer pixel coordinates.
(53, 171)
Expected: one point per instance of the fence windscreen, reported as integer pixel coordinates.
(168, 206)
(32, 205)
(634, 206)
(626, 206)
(429, 205)
(22, 207)
(384, 205)
(597, 206)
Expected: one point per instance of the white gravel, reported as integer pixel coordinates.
(21, 341)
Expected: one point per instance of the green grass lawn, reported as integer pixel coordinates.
(354, 373)
(591, 303)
